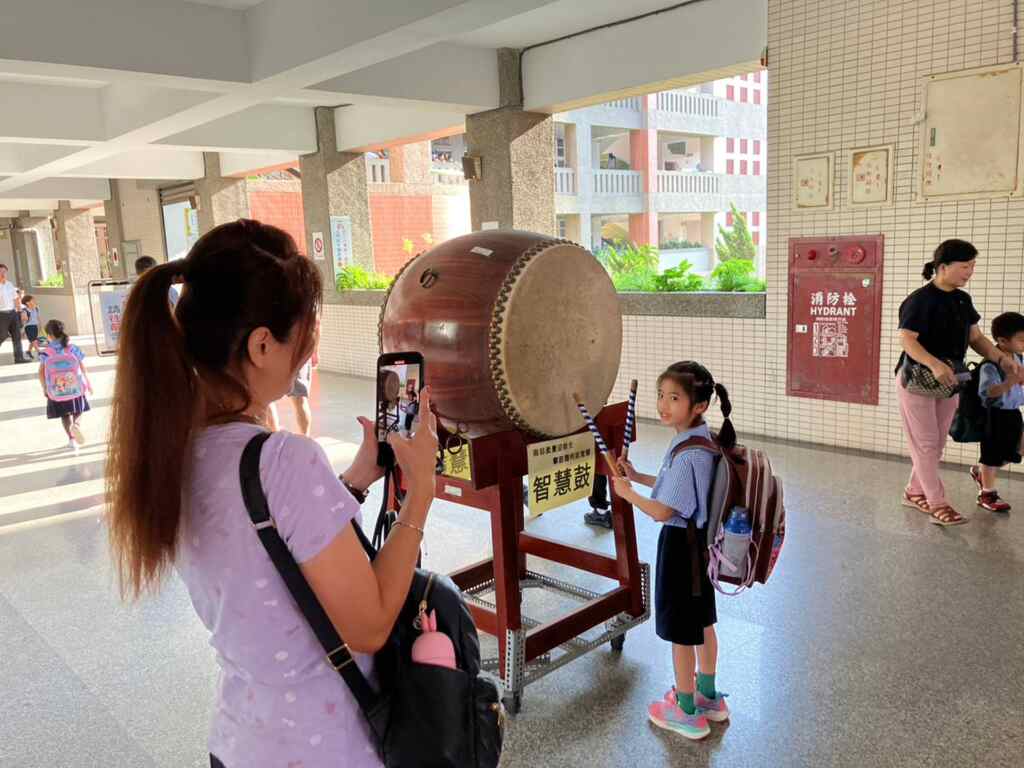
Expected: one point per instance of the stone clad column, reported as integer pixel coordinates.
(221, 200)
(334, 184)
(77, 251)
(517, 151)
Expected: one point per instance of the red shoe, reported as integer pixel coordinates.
(990, 500)
(976, 477)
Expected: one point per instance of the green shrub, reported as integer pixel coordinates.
(623, 258)
(735, 242)
(56, 280)
(354, 278)
(737, 276)
(677, 279)
(642, 279)
(678, 245)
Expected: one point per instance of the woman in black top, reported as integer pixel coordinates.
(938, 323)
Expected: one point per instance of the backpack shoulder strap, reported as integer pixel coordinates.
(338, 654)
(702, 443)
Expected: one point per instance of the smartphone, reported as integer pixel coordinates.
(399, 382)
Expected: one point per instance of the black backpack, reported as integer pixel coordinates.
(423, 715)
(972, 421)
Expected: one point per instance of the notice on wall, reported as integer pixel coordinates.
(341, 242)
(812, 181)
(560, 471)
(871, 176)
(318, 246)
(112, 309)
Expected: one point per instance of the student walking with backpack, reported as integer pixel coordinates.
(191, 393)
(937, 324)
(65, 382)
(1002, 397)
(684, 597)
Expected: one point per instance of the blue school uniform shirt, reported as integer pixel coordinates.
(684, 480)
(990, 376)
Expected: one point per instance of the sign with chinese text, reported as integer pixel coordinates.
(834, 318)
(560, 471)
(457, 464)
(112, 309)
(341, 242)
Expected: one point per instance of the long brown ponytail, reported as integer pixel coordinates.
(177, 371)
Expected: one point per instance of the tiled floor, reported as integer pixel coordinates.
(881, 640)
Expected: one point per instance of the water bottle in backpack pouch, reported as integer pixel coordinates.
(735, 546)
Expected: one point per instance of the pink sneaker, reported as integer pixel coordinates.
(714, 709)
(672, 718)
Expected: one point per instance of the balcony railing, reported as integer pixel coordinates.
(447, 174)
(378, 170)
(685, 103)
(685, 183)
(565, 181)
(633, 104)
(617, 182)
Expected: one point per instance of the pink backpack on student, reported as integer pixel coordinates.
(61, 371)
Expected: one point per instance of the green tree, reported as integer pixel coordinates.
(736, 242)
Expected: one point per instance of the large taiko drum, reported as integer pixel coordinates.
(510, 325)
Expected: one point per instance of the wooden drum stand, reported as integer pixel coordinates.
(499, 462)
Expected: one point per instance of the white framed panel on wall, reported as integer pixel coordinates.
(814, 181)
(870, 172)
(971, 134)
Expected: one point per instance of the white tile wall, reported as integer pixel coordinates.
(348, 339)
(847, 74)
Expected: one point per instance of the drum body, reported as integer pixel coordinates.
(510, 324)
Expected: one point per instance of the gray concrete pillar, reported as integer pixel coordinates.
(517, 152)
(77, 251)
(221, 200)
(115, 231)
(334, 186)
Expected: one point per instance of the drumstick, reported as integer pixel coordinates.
(630, 419)
(592, 425)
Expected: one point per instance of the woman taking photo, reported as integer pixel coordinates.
(191, 391)
(937, 324)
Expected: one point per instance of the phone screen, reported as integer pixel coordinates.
(399, 381)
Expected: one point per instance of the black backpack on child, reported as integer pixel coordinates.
(973, 421)
(423, 715)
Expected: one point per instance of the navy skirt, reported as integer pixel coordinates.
(76, 407)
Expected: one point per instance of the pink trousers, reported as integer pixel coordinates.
(926, 421)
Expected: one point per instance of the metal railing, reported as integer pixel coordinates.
(565, 181)
(688, 103)
(618, 182)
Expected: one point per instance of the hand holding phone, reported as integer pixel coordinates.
(417, 455)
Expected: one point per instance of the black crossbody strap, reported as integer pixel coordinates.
(338, 654)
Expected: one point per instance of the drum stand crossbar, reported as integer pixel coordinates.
(525, 646)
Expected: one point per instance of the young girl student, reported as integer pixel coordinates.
(30, 323)
(65, 381)
(685, 612)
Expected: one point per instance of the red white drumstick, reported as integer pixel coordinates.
(630, 420)
(601, 446)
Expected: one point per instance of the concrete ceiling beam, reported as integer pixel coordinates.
(264, 127)
(144, 163)
(363, 127)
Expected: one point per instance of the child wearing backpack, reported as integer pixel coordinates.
(30, 323)
(1003, 397)
(65, 381)
(684, 610)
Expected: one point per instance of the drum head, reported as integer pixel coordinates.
(561, 332)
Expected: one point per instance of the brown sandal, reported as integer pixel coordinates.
(945, 516)
(916, 501)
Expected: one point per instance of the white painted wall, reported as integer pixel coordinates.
(657, 50)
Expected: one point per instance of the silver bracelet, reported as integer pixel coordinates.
(410, 525)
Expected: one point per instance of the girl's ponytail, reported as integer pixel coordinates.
(727, 434)
(55, 328)
(929, 270)
(152, 418)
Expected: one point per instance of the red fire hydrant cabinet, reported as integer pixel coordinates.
(835, 305)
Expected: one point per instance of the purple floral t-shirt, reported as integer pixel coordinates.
(279, 705)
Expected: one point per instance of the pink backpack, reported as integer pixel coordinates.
(61, 372)
(744, 478)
